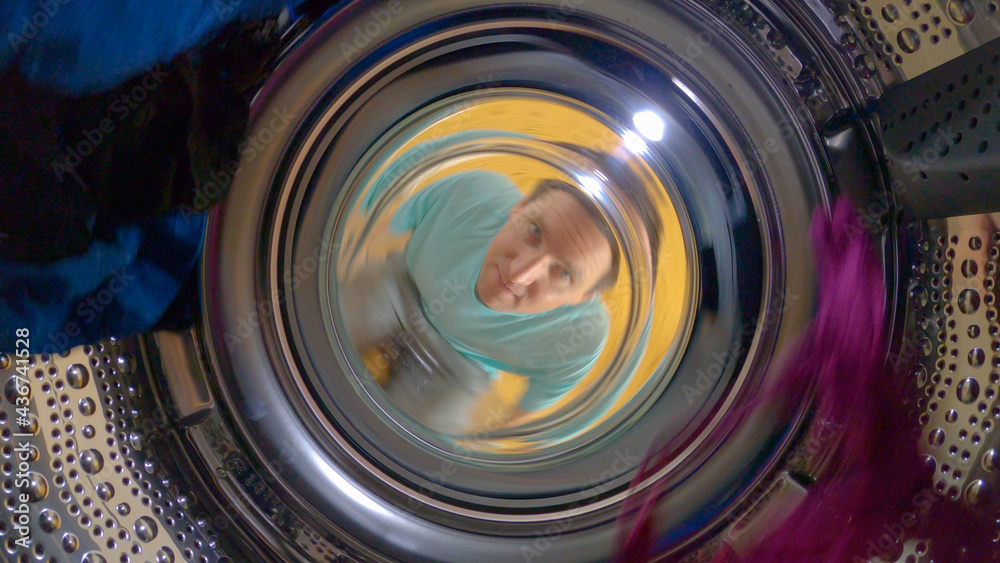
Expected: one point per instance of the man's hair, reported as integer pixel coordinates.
(550, 185)
(632, 191)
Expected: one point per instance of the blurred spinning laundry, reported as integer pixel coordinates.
(97, 246)
(847, 511)
(511, 283)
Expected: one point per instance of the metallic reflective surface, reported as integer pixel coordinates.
(958, 373)
(95, 493)
(266, 438)
(902, 40)
(482, 492)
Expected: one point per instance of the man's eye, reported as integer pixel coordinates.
(565, 275)
(535, 231)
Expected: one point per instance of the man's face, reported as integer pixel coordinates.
(549, 253)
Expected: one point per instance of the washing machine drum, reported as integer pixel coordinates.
(674, 124)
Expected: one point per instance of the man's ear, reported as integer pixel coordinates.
(588, 296)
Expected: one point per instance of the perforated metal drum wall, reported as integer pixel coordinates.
(902, 39)
(957, 336)
(942, 136)
(97, 488)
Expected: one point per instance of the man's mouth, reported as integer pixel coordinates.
(503, 285)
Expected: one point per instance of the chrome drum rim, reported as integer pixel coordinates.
(345, 484)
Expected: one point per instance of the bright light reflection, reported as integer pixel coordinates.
(649, 124)
(360, 496)
(634, 142)
(590, 185)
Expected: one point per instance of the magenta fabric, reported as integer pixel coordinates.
(877, 494)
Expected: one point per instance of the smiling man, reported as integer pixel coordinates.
(512, 283)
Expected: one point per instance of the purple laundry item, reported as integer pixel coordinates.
(877, 491)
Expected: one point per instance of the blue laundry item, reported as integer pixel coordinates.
(118, 288)
(129, 277)
(83, 47)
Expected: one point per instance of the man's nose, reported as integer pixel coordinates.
(528, 268)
